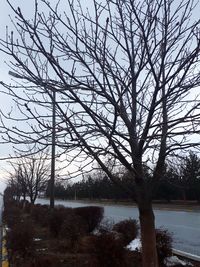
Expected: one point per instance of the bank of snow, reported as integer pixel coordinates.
(134, 245)
(169, 261)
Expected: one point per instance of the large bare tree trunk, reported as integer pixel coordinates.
(148, 238)
(147, 222)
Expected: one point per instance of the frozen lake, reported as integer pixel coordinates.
(184, 225)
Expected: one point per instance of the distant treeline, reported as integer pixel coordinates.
(181, 181)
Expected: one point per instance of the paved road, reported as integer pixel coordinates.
(184, 225)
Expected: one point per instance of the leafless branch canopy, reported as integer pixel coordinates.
(29, 176)
(125, 73)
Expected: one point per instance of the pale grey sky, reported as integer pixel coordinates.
(5, 102)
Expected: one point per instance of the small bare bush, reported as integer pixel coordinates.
(86, 244)
(46, 261)
(134, 259)
(12, 215)
(109, 250)
(73, 228)
(92, 215)
(20, 238)
(128, 230)
(163, 244)
(26, 206)
(56, 219)
(39, 261)
(40, 214)
(106, 225)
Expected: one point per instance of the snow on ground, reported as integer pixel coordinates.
(134, 245)
(37, 239)
(173, 260)
(169, 261)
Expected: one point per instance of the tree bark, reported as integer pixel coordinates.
(146, 217)
(148, 237)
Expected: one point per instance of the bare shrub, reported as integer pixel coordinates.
(56, 219)
(40, 214)
(86, 244)
(20, 238)
(26, 205)
(64, 211)
(40, 261)
(12, 215)
(163, 244)
(109, 250)
(92, 216)
(106, 225)
(133, 259)
(73, 228)
(128, 230)
(87, 260)
(46, 261)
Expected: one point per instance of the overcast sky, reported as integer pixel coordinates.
(5, 102)
(6, 13)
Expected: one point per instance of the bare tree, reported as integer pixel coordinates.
(14, 187)
(30, 175)
(125, 74)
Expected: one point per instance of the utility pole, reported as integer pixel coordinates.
(53, 150)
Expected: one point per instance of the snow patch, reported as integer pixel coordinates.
(169, 261)
(174, 260)
(134, 245)
(41, 249)
(37, 239)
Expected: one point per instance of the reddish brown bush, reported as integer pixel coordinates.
(87, 260)
(128, 230)
(40, 214)
(46, 261)
(9, 199)
(65, 211)
(12, 215)
(55, 222)
(26, 206)
(164, 244)
(20, 238)
(73, 228)
(109, 251)
(92, 215)
(39, 261)
(106, 225)
(56, 219)
(133, 259)
(86, 244)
